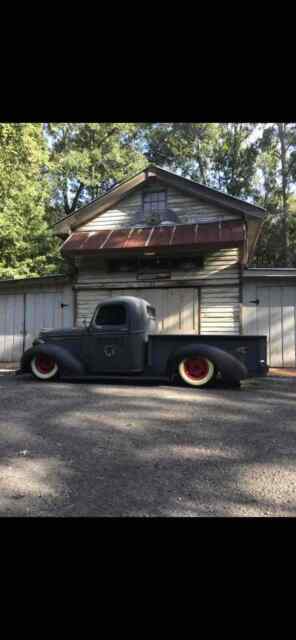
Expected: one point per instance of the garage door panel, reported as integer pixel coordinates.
(275, 317)
(289, 300)
(44, 311)
(262, 314)
(171, 322)
(176, 309)
(11, 327)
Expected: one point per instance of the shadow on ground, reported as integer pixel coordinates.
(72, 449)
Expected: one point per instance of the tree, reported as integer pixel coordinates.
(234, 156)
(87, 159)
(185, 147)
(277, 164)
(27, 245)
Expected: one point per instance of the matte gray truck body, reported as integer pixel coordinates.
(120, 341)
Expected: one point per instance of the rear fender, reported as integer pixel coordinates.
(68, 364)
(231, 369)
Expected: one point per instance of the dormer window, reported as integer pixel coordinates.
(154, 201)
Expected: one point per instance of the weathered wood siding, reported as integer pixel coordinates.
(24, 314)
(176, 309)
(218, 282)
(220, 267)
(11, 327)
(215, 285)
(44, 310)
(275, 317)
(128, 212)
(220, 306)
(220, 310)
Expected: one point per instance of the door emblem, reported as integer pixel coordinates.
(110, 350)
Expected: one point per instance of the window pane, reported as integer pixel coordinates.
(151, 312)
(154, 200)
(111, 315)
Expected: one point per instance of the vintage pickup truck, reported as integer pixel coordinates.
(120, 341)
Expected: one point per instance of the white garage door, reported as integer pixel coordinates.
(176, 309)
(11, 327)
(274, 315)
(45, 310)
(33, 311)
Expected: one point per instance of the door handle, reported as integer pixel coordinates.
(254, 301)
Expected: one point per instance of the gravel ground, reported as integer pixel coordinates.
(71, 449)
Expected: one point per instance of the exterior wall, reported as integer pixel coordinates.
(212, 293)
(220, 310)
(220, 268)
(11, 326)
(128, 212)
(208, 298)
(27, 310)
(177, 309)
(273, 316)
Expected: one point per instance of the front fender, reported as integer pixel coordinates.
(231, 369)
(68, 364)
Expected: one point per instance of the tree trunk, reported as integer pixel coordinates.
(285, 188)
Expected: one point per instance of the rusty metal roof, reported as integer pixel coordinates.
(207, 235)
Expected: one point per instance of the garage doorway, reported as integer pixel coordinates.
(177, 309)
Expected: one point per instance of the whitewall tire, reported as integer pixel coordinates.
(196, 371)
(44, 368)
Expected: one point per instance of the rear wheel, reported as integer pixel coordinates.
(43, 367)
(196, 371)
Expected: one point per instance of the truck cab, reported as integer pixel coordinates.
(117, 337)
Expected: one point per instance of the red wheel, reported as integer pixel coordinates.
(196, 371)
(43, 367)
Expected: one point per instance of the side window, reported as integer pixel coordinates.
(111, 314)
(151, 312)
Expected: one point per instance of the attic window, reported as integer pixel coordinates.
(154, 201)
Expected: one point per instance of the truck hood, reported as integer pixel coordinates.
(48, 334)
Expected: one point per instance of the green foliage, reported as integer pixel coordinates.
(47, 171)
(185, 147)
(276, 165)
(234, 160)
(87, 159)
(256, 162)
(27, 246)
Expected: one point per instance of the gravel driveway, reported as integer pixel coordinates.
(71, 449)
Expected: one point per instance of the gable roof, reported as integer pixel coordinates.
(190, 187)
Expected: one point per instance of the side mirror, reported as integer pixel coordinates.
(85, 324)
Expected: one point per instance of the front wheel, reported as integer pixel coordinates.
(44, 368)
(196, 371)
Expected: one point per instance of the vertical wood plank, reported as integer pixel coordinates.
(263, 316)
(172, 316)
(276, 331)
(288, 301)
(187, 310)
(249, 314)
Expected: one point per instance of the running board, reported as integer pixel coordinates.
(119, 378)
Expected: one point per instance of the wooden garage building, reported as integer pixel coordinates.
(182, 246)
(179, 244)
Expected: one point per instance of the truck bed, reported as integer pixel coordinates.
(251, 350)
